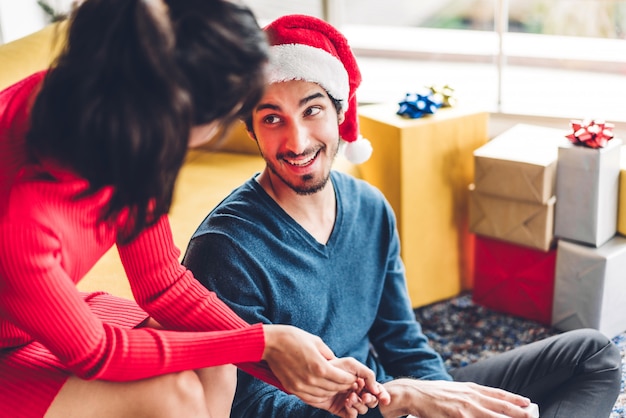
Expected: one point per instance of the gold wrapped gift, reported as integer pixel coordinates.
(424, 167)
(621, 214)
(520, 163)
(526, 223)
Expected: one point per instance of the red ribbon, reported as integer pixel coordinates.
(590, 133)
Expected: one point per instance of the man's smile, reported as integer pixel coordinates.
(302, 161)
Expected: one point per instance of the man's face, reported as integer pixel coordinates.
(297, 130)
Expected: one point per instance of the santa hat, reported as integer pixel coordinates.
(307, 48)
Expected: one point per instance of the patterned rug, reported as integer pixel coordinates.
(463, 332)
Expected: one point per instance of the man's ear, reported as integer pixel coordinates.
(341, 116)
(251, 134)
(247, 124)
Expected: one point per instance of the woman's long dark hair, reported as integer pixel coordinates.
(118, 105)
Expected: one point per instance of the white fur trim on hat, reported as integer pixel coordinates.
(293, 62)
(358, 151)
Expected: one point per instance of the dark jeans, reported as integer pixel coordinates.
(576, 374)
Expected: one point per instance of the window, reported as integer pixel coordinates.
(553, 58)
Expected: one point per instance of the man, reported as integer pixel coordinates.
(304, 245)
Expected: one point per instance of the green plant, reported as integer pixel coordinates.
(52, 14)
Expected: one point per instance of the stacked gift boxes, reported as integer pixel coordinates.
(571, 276)
(590, 291)
(512, 204)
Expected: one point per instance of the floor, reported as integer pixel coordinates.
(464, 332)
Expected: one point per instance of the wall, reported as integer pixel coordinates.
(500, 122)
(19, 18)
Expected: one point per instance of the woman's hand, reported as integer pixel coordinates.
(354, 402)
(307, 368)
(350, 404)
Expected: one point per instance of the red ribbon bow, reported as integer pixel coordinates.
(590, 133)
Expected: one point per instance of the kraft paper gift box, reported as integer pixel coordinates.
(621, 206)
(587, 185)
(516, 221)
(423, 167)
(590, 287)
(520, 163)
(514, 279)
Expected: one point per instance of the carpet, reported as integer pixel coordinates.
(464, 332)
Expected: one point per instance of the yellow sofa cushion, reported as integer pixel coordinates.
(205, 179)
(30, 54)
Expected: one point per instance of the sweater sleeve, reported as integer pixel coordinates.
(39, 297)
(172, 296)
(397, 337)
(14, 102)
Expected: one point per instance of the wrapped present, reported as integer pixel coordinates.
(587, 187)
(416, 105)
(590, 133)
(445, 94)
(520, 163)
(621, 205)
(516, 221)
(424, 167)
(589, 289)
(514, 279)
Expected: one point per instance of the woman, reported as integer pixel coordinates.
(89, 154)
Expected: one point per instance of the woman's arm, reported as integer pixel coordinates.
(40, 298)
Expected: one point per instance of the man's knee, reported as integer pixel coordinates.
(598, 352)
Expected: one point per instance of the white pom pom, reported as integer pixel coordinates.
(359, 151)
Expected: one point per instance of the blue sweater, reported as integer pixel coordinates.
(351, 292)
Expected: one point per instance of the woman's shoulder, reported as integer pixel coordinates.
(17, 98)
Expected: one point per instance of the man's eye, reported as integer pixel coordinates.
(271, 119)
(312, 111)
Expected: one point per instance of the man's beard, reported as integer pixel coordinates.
(309, 186)
(305, 188)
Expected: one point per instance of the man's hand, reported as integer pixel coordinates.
(353, 403)
(348, 404)
(307, 368)
(428, 399)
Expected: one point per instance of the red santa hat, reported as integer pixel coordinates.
(307, 48)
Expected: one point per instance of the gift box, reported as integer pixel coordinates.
(424, 167)
(520, 163)
(590, 287)
(516, 221)
(587, 186)
(514, 279)
(621, 205)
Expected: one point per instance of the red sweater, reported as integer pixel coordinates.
(48, 242)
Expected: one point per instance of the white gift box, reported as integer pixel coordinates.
(587, 185)
(590, 287)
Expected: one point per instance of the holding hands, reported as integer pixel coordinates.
(307, 368)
